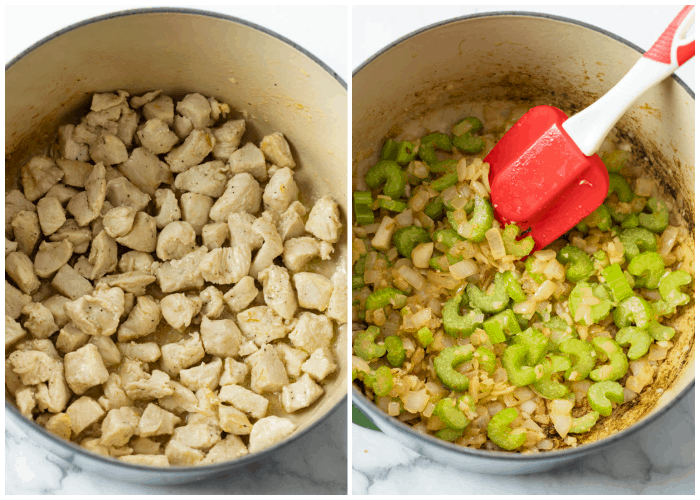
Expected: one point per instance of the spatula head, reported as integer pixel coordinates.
(541, 180)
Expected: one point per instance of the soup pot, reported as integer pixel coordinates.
(273, 83)
(519, 56)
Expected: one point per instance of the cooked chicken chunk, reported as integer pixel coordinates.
(271, 248)
(206, 375)
(179, 454)
(268, 431)
(276, 150)
(27, 231)
(71, 338)
(248, 159)
(299, 251)
(143, 459)
(38, 175)
(195, 148)
(262, 325)
(147, 352)
(84, 368)
(84, 412)
(324, 220)
(103, 255)
(338, 305)
(75, 173)
(320, 364)
(68, 148)
(176, 240)
(86, 205)
(146, 171)
(121, 192)
(314, 291)
(214, 235)
(183, 127)
(301, 394)
(138, 101)
(39, 320)
(15, 202)
(136, 261)
(212, 302)
(143, 235)
(228, 137)
(229, 448)
(181, 400)
(225, 266)
(126, 125)
(21, 270)
(243, 194)
(59, 424)
(240, 228)
(244, 400)
(311, 332)
(197, 109)
(179, 309)
(157, 385)
(99, 313)
(51, 257)
(267, 373)
(118, 426)
(195, 210)
(71, 284)
(51, 215)
(278, 292)
(234, 372)
(155, 422)
(13, 332)
(182, 354)
(241, 295)
(157, 137)
(161, 108)
(208, 179)
(181, 274)
(281, 191)
(119, 221)
(57, 305)
(220, 337)
(33, 367)
(168, 208)
(80, 237)
(108, 149)
(14, 299)
(291, 222)
(234, 421)
(109, 352)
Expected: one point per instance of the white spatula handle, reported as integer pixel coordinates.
(674, 47)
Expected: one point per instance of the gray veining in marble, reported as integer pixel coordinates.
(659, 459)
(316, 464)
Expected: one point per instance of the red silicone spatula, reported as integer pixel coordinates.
(545, 175)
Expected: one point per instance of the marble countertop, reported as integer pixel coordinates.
(659, 459)
(316, 464)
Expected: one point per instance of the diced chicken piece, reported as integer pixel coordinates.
(338, 305)
(208, 179)
(100, 102)
(240, 296)
(161, 108)
(291, 222)
(84, 369)
(301, 394)
(214, 235)
(145, 446)
(195, 210)
(51, 215)
(229, 449)
(13, 332)
(182, 354)
(62, 193)
(11, 246)
(243, 194)
(180, 401)
(267, 373)
(324, 220)
(248, 159)
(218, 109)
(146, 171)
(84, 412)
(276, 150)
(176, 240)
(299, 251)
(87, 205)
(199, 436)
(13, 382)
(178, 309)
(228, 137)
(108, 149)
(292, 358)
(244, 400)
(119, 221)
(168, 208)
(181, 274)
(109, 352)
(262, 325)
(221, 337)
(212, 303)
(143, 459)
(143, 235)
(85, 134)
(75, 173)
(278, 292)
(134, 283)
(99, 313)
(103, 255)
(225, 266)
(71, 284)
(314, 291)
(39, 320)
(157, 137)
(182, 127)
(197, 109)
(271, 248)
(311, 332)
(195, 148)
(121, 192)
(114, 395)
(156, 386)
(118, 426)
(41, 345)
(234, 421)
(14, 299)
(247, 348)
(26, 401)
(105, 119)
(126, 125)
(71, 338)
(20, 268)
(93, 445)
(281, 191)
(57, 305)
(320, 364)
(60, 425)
(147, 352)
(234, 372)
(138, 101)
(38, 175)
(52, 256)
(15, 202)
(206, 375)
(68, 148)
(240, 228)
(129, 298)
(155, 422)
(179, 454)
(136, 261)
(269, 431)
(80, 237)
(27, 231)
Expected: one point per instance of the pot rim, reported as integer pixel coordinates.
(366, 405)
(201, 469)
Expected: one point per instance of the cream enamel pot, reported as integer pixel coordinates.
(277, 85)
(514, 56)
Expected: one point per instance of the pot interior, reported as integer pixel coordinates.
(523, 58)
(267, 81)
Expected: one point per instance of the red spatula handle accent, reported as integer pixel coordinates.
(671, 47)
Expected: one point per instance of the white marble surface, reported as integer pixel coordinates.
(658, 460)
(316, 464)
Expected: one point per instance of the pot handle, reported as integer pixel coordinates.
(674, 47)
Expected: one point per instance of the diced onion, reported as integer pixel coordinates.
(463, 269)
(462, 170)
(416, 401)
(628, 394)
(545, 291)
(547, 254)
(412, 277)
(421, 255)
(562, 424)
(528, 407)
(480, 189)
(449, 193)
(523, 394)
(668, 239)
(554, 270)
(526, 307)
(643, 187)
(495, 407)
(493, 236)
